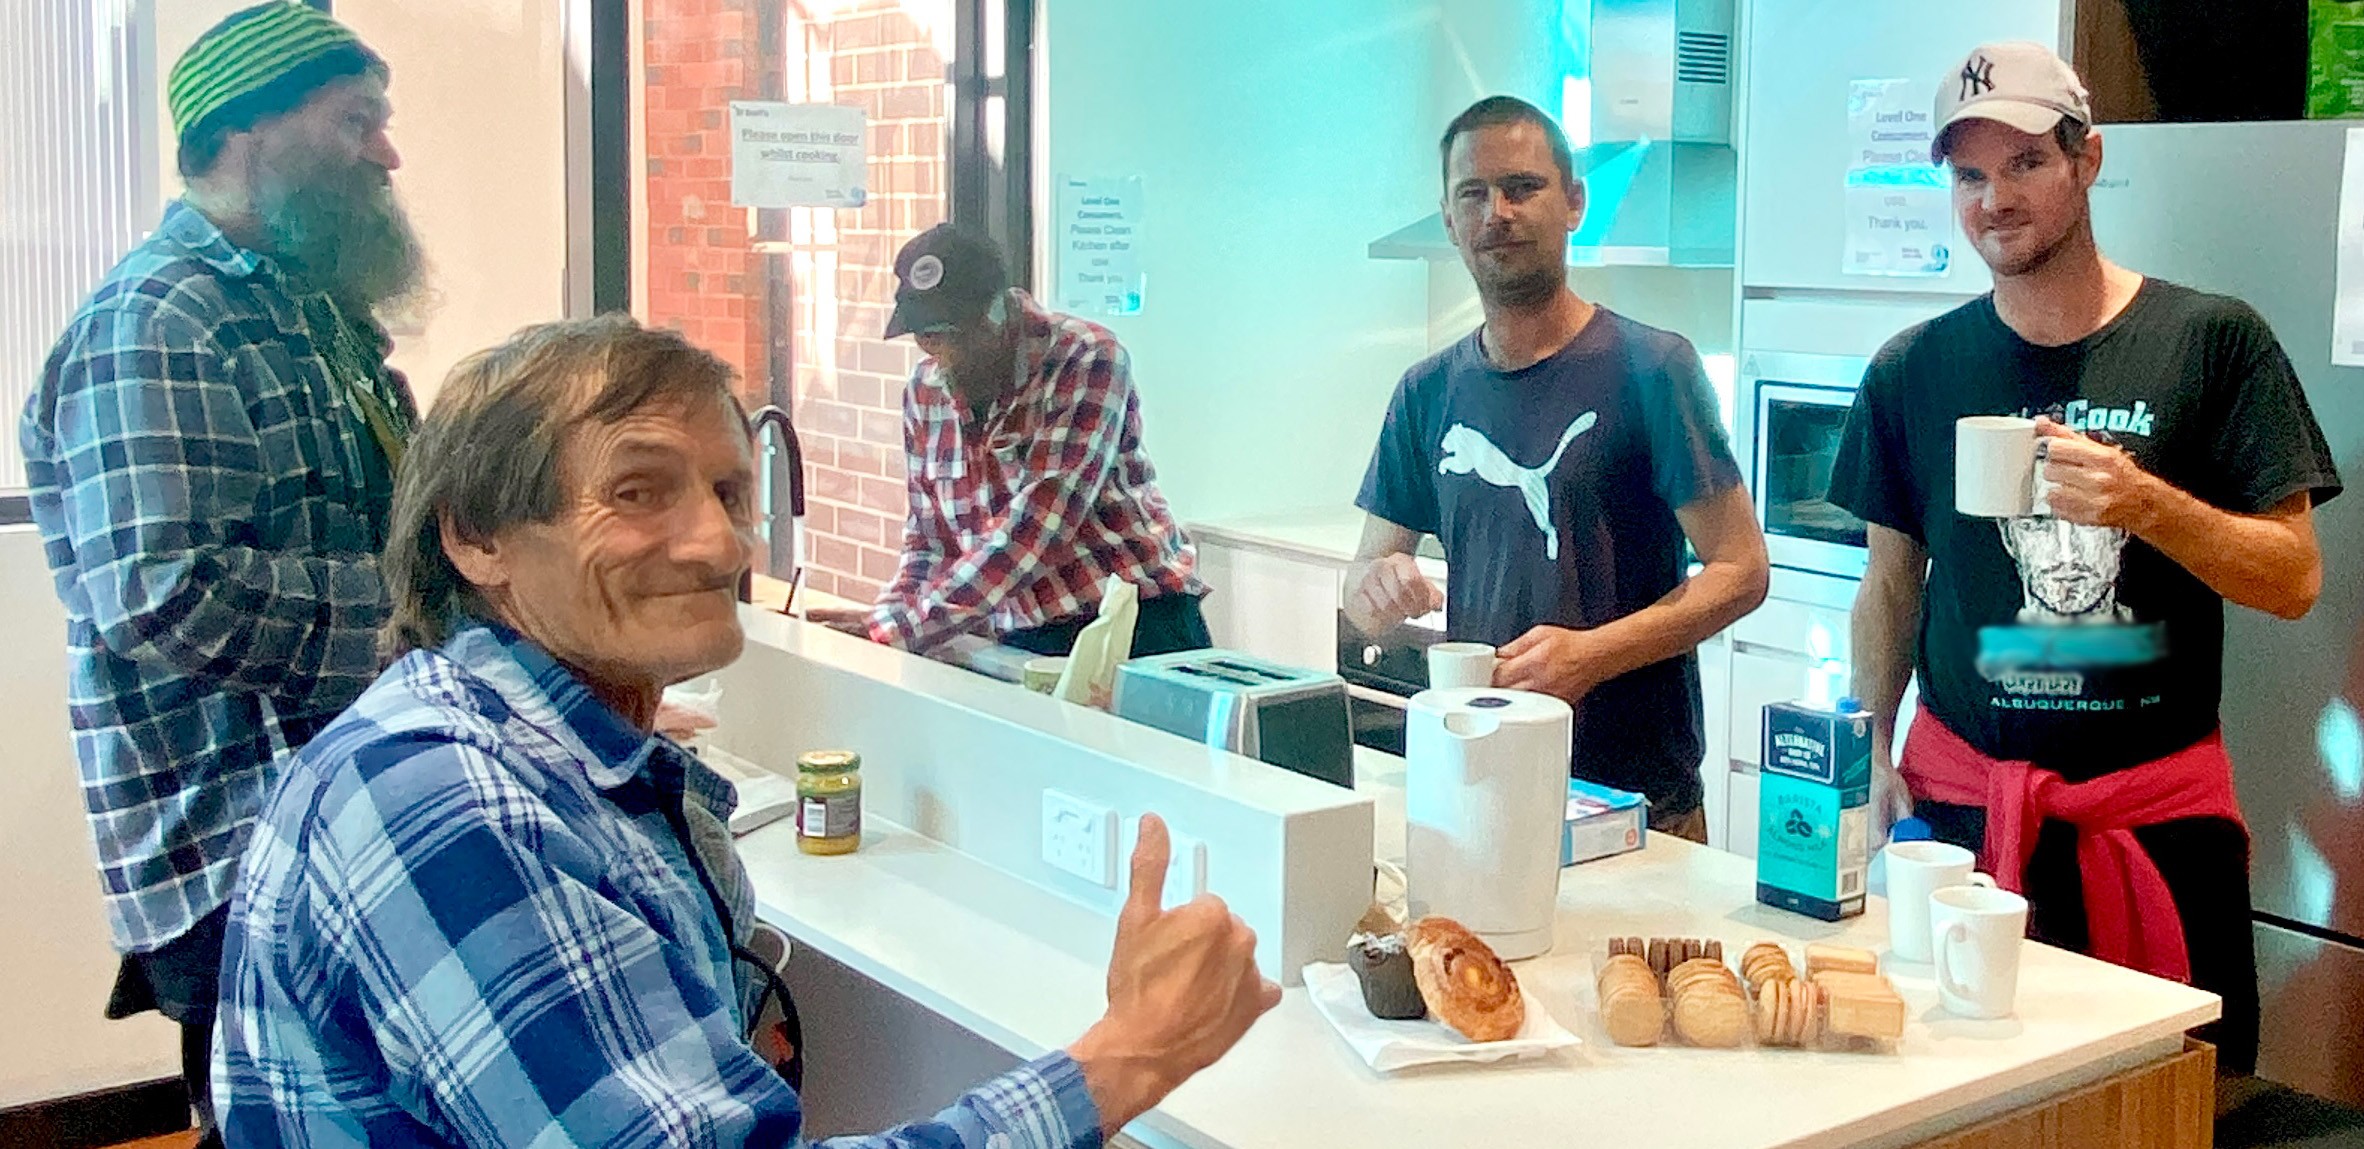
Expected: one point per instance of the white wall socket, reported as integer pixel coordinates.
(1079, 837)
(1186, 870)
(1186, 865)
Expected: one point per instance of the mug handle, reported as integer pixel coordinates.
(2039, 487)
(1954, 932)
(1979, 880)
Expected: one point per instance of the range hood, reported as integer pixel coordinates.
(1660, 174)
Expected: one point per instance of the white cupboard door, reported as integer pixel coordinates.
(1282, 609)
(1715, 698)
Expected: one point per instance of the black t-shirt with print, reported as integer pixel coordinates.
(1553, 490)
(2078, 647)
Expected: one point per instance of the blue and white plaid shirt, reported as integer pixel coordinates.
(211, 506)
(474, 915)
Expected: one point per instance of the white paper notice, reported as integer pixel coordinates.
(2347, 315)
(1899, 209)
(798, 155)
(1099, 246)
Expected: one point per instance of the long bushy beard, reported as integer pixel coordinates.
(338, 226)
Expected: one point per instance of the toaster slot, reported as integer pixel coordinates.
(1210, 672)
(1257, 674)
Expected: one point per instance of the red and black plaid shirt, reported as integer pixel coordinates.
(1016, 521)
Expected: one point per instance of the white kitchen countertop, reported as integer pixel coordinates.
(1320, 534)
(1024, 968)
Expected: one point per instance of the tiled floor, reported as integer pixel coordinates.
(2268, 1116)
(2271, 1117)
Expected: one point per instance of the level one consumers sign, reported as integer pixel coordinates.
(798, 155)
(1099, 246)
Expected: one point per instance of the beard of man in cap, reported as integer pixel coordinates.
(301, 168)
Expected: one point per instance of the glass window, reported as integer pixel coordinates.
(79, 167)
(796, 298)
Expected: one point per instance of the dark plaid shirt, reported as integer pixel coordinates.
(212, 506)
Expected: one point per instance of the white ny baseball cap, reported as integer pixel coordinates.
(2018, 83)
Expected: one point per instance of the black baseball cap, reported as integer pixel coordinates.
(946, 277)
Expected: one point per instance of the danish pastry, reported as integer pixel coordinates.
(1465, 984)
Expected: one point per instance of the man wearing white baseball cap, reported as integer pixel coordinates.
(2184, 466)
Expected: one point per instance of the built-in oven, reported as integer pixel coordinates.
(1382, 671)
(1793, 412)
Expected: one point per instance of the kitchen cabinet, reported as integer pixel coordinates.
(1715, 710)
(1782, 652)
(1757, 679)
(1280, 607)
(1762, 673)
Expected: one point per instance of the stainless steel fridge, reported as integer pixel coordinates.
(2251, 210)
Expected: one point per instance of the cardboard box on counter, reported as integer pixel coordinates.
(1602, 823)
(1814, 810)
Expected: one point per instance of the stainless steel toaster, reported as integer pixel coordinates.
(1292, 718)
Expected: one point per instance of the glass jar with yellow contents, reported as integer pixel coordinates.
(828, 801)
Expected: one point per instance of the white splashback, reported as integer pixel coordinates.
(964, 760)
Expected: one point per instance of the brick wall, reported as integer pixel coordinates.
(703, 274)
(707, 276)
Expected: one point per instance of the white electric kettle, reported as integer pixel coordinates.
(1485, 797)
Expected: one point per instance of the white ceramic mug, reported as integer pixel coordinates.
(1976, 933)
(1998, 471)
(1458, 664)
(1915, 871)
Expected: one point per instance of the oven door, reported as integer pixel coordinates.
(1381, 672)
(1795, 431)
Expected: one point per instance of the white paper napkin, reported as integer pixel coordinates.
(1388, 1046)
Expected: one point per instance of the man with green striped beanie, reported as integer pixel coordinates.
(211, 453)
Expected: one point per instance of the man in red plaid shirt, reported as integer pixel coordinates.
(1028, 483)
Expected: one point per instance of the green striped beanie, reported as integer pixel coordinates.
(252, 50)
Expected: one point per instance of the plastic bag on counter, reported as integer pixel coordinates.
(1105, 642)
(689, 711)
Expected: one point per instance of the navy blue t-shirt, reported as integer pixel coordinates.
(1553, 490)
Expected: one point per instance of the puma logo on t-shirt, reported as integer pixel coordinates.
(1469, 452)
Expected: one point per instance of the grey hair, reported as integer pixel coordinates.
(487, 455)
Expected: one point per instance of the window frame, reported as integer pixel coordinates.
(995, 194)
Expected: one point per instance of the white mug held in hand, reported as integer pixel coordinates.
(1460, 664)
(1999, 468)
(1915, 871)
(1976, 932)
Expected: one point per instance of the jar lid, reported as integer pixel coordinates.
(828, 761)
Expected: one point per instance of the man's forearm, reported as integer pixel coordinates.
(1886, 625)
(2268, 562)
(301, 628)
(1690, 614)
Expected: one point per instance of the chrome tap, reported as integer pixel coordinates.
(772, 418)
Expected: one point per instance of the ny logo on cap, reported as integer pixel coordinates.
(1978, 77)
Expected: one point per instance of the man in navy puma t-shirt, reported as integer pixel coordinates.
(1562, 454)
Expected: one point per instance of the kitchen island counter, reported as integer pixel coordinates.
(1022, 966)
